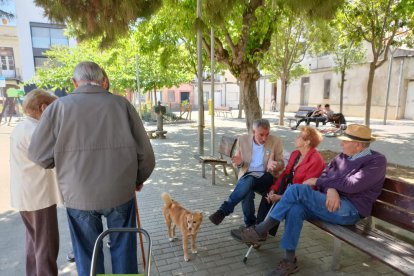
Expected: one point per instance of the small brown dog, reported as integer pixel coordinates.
(188, 222)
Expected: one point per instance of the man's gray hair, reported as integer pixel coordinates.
(262, 123)
(88, 71)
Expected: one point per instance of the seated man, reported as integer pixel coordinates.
(316, 113)
(347, 190)
(259, 158)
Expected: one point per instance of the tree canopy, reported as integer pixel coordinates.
(104, 19)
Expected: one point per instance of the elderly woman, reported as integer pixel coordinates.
(304, 163)
(34, 191)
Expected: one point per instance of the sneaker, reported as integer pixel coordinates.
(70, 257)
(284, 268)
(217, 217)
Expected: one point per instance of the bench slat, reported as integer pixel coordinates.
(398, 255)
(393, 215)
(398, 200)
(399, 187)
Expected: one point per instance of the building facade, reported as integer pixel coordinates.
(25, 36)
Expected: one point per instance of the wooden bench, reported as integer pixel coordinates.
(395, 206)
(223, 110)
(226, 149)
(302, 113)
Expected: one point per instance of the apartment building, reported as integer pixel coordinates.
(25, 35)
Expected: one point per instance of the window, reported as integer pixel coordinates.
(6, 58)
(206, 96)
(46, 37)
(40, 62)
(326, 89)
(171, 96)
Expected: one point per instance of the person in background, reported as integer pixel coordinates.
(102, 155)
(316, 113)
(346, 192)
(259, 158)
(34, 191)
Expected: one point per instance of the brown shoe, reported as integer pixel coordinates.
(236, 234)
(284, 268)
(249, 236)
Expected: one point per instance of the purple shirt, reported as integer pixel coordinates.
(360, 180)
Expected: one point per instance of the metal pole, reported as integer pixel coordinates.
(200, 84)
(388, 85)
(137, 98)
(264, 94)
(212, 93)
(397, 111)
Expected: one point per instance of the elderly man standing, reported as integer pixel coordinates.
(259, 158)
(347, 190)
(102, 155)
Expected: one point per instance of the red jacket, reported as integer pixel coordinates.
(311, 166)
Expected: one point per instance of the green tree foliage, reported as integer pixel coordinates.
(290, 42)
(243, 28)
(243, 31)
(117, 62)
(103, 19)
(383, 24)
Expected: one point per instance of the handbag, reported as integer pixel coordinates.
(287, 178)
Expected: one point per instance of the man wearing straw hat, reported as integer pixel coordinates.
(346, 192)
(102, 155)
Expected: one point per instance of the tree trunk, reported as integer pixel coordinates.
(155, 96)
(371, 76)
(240, 115)
(250, 101)
(341, 93)
(282, 100)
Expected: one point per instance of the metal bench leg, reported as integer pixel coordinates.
(203, 170)
(213, 174)
(224, 169)
(336, 254)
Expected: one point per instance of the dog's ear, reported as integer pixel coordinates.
(200, 214)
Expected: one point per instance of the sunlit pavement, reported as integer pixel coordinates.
(179, 173)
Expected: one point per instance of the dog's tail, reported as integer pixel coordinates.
(167, 199)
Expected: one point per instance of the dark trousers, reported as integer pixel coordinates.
(42, 241)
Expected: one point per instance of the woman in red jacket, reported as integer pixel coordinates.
(305, 162)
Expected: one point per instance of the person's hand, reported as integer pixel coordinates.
(237, 159)
(272, 197)
(138, 187)
(310, 181)
(271, 165)
(332, 200)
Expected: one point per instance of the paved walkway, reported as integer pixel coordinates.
(178, 173)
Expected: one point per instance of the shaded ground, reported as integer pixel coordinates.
(398, 172)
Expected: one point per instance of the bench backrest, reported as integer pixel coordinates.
(304, 111)
(395, 205)
(227, 145)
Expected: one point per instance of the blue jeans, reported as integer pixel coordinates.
(300, 202)
(86, 226)
(245, 192)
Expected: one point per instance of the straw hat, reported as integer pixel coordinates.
(358, 133)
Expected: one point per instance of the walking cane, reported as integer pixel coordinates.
(140, 234)
(253, 245)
